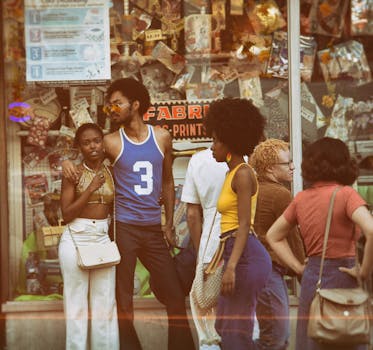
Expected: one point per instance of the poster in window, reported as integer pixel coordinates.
(67, 41)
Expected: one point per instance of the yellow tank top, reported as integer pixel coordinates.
(104, 195)
(227, 203)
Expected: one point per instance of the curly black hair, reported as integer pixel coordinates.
(329, 159)
(133, 90)
(83, 128)
(235, 122)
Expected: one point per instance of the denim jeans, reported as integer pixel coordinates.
(235, 313)
(147, 244)
(272, 312)
(331, 278)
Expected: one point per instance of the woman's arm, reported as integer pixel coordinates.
(363, 218)
(277, 239)
(243, 186)
(71, 207)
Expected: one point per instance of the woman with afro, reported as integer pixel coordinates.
(236, 127)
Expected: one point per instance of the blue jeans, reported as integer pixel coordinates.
(272, 312)
(331, 278)
(235, 313)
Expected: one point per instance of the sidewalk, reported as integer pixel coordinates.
(40, 325)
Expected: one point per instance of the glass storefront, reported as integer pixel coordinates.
(59, 58)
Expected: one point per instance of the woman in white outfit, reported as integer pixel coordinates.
(89, 295)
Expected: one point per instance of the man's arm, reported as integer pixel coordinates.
(70, 170)
(112, 145)
(194, 220)
(168, 188)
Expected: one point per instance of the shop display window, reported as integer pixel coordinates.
(187, 53)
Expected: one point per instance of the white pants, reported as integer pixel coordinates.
(88, 294)
(204, 321)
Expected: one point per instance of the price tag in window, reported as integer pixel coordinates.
(307, 114)
(151, 35)
(48, 96)
(81, 103)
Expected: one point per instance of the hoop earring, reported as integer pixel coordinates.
(228, 157)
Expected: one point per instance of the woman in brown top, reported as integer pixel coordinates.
(272, 162)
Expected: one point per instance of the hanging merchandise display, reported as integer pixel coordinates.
(327, 17)
(265, 17)
(346, 60)
(361, 17)
(278, 60)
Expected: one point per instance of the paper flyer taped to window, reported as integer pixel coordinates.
(67, 40)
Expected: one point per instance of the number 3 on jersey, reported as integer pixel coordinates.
(146, 177)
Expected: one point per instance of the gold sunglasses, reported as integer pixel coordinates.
(111, 108)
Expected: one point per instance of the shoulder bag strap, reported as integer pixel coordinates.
(72, 237)
(208, 238)
(326, 234)
(114, 225)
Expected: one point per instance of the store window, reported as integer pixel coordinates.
(59, 61)
(186, 53)
(339, 100)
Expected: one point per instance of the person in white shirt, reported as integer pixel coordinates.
(203, 181)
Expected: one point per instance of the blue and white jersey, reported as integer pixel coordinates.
(138, 180)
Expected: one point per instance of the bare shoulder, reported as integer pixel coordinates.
(110, 138)
(246, 175)
(163, 138)
(245, 169)
(112, 144)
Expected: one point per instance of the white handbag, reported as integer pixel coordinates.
(98, 255)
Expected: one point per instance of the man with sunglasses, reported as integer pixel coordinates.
(271, 160)
(142, 161)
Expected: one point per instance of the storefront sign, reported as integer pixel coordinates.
(182, 118)
(67, 40)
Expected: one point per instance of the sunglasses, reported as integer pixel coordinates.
(111, 108)
(289, 163)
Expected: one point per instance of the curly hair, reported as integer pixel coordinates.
(84, 127)
(266, 154)
(329, 159)
(235, 122)
(133, 90)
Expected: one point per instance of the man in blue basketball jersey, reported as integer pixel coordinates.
(142, 162)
